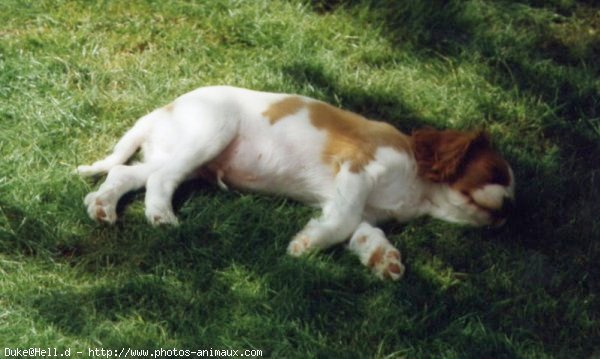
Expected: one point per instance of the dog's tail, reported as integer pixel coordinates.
(124, 149)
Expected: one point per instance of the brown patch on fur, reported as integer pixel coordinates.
(482, 167)
(440, 153)
(352, 138)
(286, 107)
(361, 240)
(465, 159)
(376, 257)
(169, 107)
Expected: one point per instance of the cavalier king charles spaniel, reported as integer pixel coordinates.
(358, 171)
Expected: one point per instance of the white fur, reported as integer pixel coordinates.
(490, 196)
(282, 158)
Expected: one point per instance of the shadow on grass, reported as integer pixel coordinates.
(551, 57)
(374, 105)
(530, 51)
(208, 284)
(553, 229)
(21, 232)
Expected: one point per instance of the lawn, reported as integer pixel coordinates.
(74, 75)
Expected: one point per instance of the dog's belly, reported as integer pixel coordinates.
(272, 165)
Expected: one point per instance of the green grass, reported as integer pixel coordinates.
(74, 75)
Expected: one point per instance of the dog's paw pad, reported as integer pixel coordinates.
(158, 218)
(99, 210)
(100, 213)
(299, 245)
(386, 263)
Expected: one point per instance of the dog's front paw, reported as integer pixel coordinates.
(157, 216)
(100, 209)
(386, 263)
(299, 245)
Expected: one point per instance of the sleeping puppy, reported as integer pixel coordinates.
(359, 172)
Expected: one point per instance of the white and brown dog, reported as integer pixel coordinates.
(359, 172)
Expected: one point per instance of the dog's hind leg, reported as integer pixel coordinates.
(203, 134)
(102, 204)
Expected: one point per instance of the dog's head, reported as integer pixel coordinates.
(480, 183)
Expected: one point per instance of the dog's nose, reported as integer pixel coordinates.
(500, 216)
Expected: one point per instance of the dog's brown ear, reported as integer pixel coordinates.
(439, 154)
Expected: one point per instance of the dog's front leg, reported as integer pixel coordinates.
(376, 252)
(341, 214)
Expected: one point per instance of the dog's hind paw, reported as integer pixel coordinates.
(100, 210)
